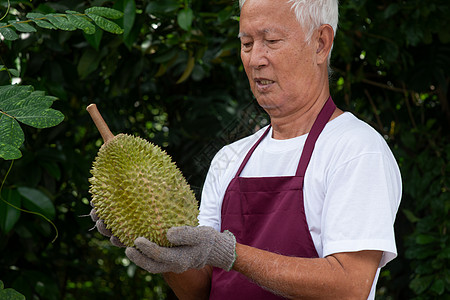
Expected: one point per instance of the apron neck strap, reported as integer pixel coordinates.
(320, 122)
(250, 152)
(322, 119)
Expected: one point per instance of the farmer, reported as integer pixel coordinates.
(303, 208)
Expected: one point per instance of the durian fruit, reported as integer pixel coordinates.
(136, 188)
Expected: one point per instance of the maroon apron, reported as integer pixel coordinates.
(267, 213)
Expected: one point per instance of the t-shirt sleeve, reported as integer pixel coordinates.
(361, 203)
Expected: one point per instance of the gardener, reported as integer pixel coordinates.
(305, 207)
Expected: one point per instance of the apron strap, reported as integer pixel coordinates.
(250, 152)
(322, 119)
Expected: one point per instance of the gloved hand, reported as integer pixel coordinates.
(101, 227)
(194, 248)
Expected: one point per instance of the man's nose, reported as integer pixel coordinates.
(258, 56)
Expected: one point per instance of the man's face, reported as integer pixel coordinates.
(278, 62)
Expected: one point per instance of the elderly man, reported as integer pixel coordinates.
(305, 207)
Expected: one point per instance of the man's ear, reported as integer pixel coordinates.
(324, 38)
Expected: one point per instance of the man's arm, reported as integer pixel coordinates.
(193, 284)
(339, 276)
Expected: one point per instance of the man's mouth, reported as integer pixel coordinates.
(263, 82)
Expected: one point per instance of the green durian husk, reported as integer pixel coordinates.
(138, 191)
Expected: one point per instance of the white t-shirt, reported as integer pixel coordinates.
(352, 186)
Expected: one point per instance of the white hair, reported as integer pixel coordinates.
(311, 14)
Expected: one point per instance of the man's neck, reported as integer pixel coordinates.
(299, 123)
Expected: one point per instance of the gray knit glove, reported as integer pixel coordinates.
(101, 227)
(194, 248)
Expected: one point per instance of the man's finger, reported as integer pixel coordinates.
(146, 263)
(151, 249)
(116, 242)
(101, 227)
(93, 215)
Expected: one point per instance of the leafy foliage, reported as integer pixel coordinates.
(397, 79)
(9, 294)
(427, 247)
(174, 77)
(22, 104)
(70, 21)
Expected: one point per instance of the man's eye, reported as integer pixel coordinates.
(247, 45)
(272, 41)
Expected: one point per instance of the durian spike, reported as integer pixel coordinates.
(100, 123)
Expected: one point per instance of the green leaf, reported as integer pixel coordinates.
(9, 294)
(10, 131)
(8, 152)
(94, 39)
(8, 214)
(185, 18)
(9, 94)
(188, 70)
(52, 169)
(44, 24)
(14, 72)
(420, 252)
(80, 22)
(130, 32)
(410, 216)
(165, 55)
(391, 10)
(61, 22)
(32, 100)
(35, 200)
(21, 103)
(88, 63)
(106, 24)
(31, 108)
(425, 239)
(129, 16)
(11, 137)
(34, 15)
(22, 26)
(438, 287)
(38, 19)
(106, 12)
(8, 33)
(225, 14)
(26, 99)
(162, 7)
(421, 283)
(39, 118)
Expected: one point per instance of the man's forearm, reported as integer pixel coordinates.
(341, 276)
(192, 284)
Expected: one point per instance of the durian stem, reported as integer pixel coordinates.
(100, 123)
